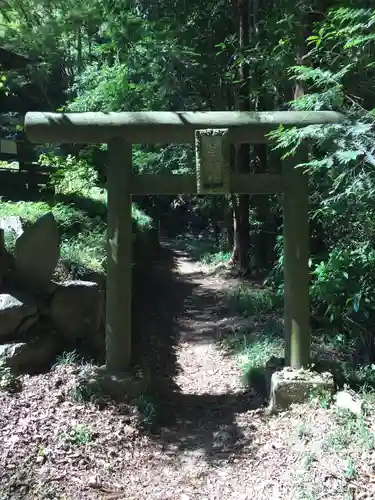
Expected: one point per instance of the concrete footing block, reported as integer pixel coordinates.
(289, 386)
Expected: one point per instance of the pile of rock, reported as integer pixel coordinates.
(40, 317)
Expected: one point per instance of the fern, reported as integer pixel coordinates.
(341, 164)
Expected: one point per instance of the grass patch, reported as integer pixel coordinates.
(204, 251)
(247, 301)
(78, 435)
(68, 359)
(348, 430)
(320, 397)
(255, 361)
(213, 259)
(255, 351)
(147, 409)
(256, 354)
(85, 251)
(309, 457)
(8, 382)
(350, 472)
(28, 211)
(307, 490)
(199, 249)
(13, 165)
(303, 430)
(83, 393)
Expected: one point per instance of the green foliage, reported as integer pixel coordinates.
(83, 240)
(68, 358)
(101, 88)
(147, 409)
(10, 241)
(79, 208)
(70, 175)
(216, 258)
(341, 169)
(78, 434)
(143, 221)
(345, 282)
(8, 381)
(27, 211)
(246, 301)
(321, 396)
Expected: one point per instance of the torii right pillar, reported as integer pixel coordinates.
(296, 263)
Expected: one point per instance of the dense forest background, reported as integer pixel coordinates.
(260, 55)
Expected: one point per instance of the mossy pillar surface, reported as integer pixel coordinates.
(119, 257)
(296, 263)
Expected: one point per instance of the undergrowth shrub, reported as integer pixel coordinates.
(247, 301)
(71, 175)
(80, 210)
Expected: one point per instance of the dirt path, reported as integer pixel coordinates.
(221, 444)
(206, 370)
(210, 446)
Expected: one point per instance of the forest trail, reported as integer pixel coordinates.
(212, 439)
(208, 449)
(220, 443)
(215, 448)
(205, 368)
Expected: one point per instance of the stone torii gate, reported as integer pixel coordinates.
(212, 132)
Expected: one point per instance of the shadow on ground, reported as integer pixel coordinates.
(176, 306)
(170, 307)
(205, 425)
(158, 301)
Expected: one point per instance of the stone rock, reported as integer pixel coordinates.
(94, 277)
(12, 223)
(37, 252)
(290, 386)
(76, 309)
(29, 357)
(15, 316)
(351, 402)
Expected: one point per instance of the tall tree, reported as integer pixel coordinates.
(240, 203)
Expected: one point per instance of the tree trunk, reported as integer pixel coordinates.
(242, 164)
(262, 209)
(228, 221)
(263, 244)
(236, 234)
(79, 49)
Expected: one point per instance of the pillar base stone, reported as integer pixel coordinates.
(289, 386)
